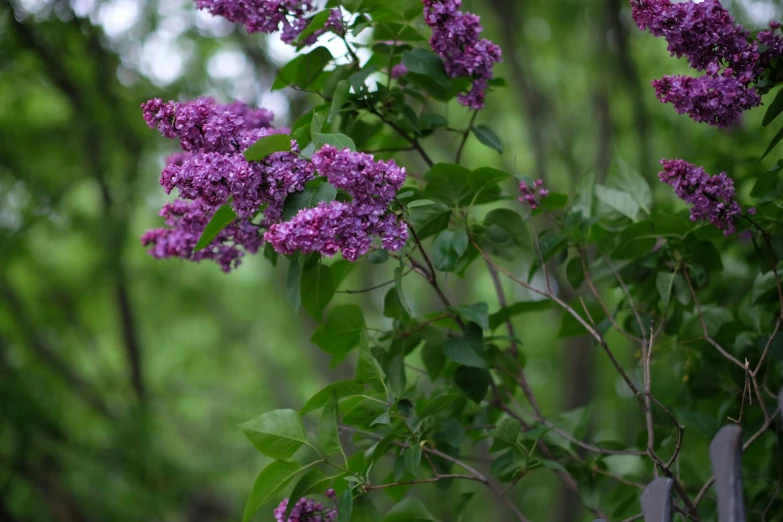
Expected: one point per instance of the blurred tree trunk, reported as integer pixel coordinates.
(630, 75)
(509, 13)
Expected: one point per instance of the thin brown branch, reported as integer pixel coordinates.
(465, 136)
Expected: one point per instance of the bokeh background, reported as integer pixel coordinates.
(122, 378)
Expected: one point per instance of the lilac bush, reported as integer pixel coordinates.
(609, 259)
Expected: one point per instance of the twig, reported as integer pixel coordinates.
(707, 337)
(465, 136)
(474, 474)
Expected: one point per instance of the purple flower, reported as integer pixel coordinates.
(716, 100)
(335, 21)
(532, 196)
(455, 37)
(707, 35)
(186, 222)
(263, 16)
(347, 227)
(203, 125)
(305, 510)
(214, 169)
(712, 197)
(399, 70)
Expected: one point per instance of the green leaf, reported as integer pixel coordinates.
(503, 233)
(467, 350)
(447, 248)
(340, 270)
(341, 94)
(222, 218)
(773, 144)
(268, 145)
(308, 198)
(292, 283)
(409, 510)
(585, 194)
(367, 368)
(571, 327)
(398, 287)
(623, 177)
(488, 137)
(477, 313)
(271, 254)
(345, 506)
(328, 435)
(384, 419)
(769, 186)
(341, 332)
(506, 434)
(412, 459)
(427, 63)
(346, 388)
(438, 404)
(364, 511)
(433, 358)
(338, 141)
(302, 70)
(448, 183)
(428, 220)
(270, 482)
(317, 289)
(276, 434)
(486, 177)
(358, 80)
(311, 482)
(775, 108)
(474, 382)
(314, 23)
(618, 200)
(575, 272)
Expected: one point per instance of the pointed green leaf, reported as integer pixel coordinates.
(367, 368)
(268, 145)
(409, 510)
(412, 458)
(477, 313)
(447, 248)
(317, 289)
(314, 481)
(270, 482)
(467, 350)
(308, 198)
(773, 144)
(341, 332)
(342, 389)
(276, 434)
(345, 506)
(775, 108)
(338, 141)
(328, 436)
(488, 137)
(302, 70)
(222, 218)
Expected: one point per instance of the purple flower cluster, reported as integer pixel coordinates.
(212, 172)
(455, 37)
(706, 34)
(399, 70)
(187, 220)
(263, 16)
(268, 16)
(532, 196)
(712, 197)
(347, 227)
(215, 170)
(305, 510)
(716, 100)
